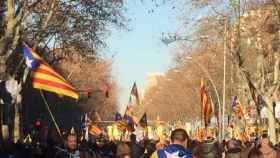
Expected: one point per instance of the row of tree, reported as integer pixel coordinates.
(68, 35)
(240, 37)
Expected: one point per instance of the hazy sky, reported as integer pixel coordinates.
(139, 52)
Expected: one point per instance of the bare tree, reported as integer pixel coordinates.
(82, 24)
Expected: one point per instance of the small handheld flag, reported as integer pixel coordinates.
(94, 130)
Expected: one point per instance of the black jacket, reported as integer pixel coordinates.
(136, 151)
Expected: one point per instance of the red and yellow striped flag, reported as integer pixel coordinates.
(46, 78)
(206, 107)
(94, 130)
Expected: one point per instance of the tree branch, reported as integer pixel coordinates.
(46, 22)
(10, 9)
(277, 7)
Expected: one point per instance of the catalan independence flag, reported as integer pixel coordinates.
(134, 92)
(206, 107)
(46, 78)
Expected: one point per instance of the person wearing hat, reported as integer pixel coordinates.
(71, 150)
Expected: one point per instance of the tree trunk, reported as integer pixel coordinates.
(14, 87)
(1, 120)
(271, 121)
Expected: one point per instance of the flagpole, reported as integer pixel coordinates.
(224, 81)
(49, 110)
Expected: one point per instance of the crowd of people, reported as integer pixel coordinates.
(178, 146)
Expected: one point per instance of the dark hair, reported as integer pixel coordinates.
(264, 135)
(123, 150)
(133, 138)
(180, 135)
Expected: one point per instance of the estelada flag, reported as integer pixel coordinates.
(94, 130)
(129, 123)
(134, 92)
(129, 108)
(143, 121)
(240, 111)
(206, 107)
(46, 78)
(121, 125)
(118, 116)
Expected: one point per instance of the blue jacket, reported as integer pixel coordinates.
(174, 150)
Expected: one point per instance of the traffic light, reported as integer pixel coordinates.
(89, 94)
(38, 124)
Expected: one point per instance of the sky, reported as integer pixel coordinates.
(140, 51)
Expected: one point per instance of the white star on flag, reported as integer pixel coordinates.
(29, 62)
(173, 155)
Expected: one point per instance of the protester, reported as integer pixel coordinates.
(255, 153)
(178, 146)
(136, 151)
(160, 145)
(208, 149)
(85, 151)
(233, 149)
(72, 150)
(266, 149)
(123, 151)
(150, 147)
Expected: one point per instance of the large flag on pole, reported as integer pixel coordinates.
(206, 107)
(143, 121)
(234, 102)
(129, 109)
(46, 78)
(118, 116)
(135, 94)
(120, 122)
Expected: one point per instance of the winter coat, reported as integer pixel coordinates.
(136, 151)
(172, 150)
(209, 150)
